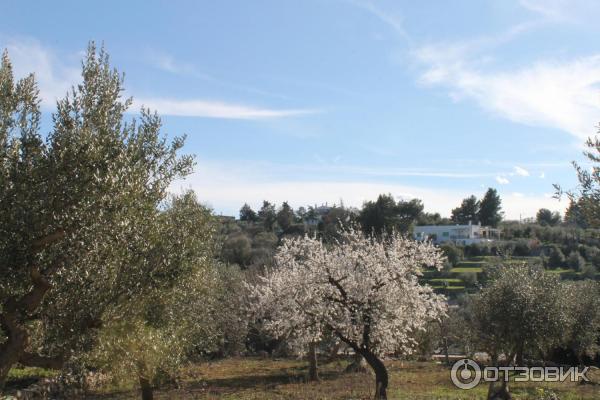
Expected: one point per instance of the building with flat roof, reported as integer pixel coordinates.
(458, 234)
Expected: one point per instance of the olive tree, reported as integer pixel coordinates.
(585, 200)
(520, 311)
(583, 304)
(176, 315)
(76, 210)
(361, 289)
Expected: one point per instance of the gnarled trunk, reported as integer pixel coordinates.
(501, 393)
(14, 347)
(313, 373)
(147, 391)
(12, 318)
(381, 374)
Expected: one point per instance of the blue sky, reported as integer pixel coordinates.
(327, 100)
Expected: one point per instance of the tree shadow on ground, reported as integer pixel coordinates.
(260, 381)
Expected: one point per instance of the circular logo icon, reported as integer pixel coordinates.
(465, 374)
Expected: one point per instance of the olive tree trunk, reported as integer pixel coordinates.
(13, 348)
(14, 312)
(501, 393)
(147, 391)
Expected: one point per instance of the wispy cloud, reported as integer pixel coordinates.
(521, 171)
(216, 109)
(502, 180)
(392, 20)
(55, 77)
(167, 63)
(564, 11)
(559, 94)
(556, 94)
(206, 108)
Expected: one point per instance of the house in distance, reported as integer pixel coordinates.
(458, 234)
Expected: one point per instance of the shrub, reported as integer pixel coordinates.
(469, 279)
(556, 259)
(453, 254)
(522, 249)
(575, 261)
(588, 271)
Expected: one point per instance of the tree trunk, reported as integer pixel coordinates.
(381, 374)
(501, 393)
(15, 310)
(446, 355)
(313, 374)
(11, 322)
(147, 391)
(519, 359)
(13, 348)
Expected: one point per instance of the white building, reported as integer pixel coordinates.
(458, 234)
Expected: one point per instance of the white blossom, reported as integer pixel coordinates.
(363, 290)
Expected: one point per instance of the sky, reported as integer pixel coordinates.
(329, 101)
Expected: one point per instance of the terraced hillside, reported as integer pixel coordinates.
(468, 275)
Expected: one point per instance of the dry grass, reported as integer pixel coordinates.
(259, 379)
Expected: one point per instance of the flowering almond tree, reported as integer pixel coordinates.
(363, 290)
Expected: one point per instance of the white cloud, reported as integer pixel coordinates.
(557, 94)
(542, 175)
(502, 180)
(227, 186)
(55, 77)
(521, 171)
(215, 109)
